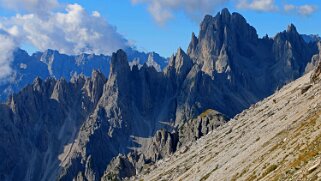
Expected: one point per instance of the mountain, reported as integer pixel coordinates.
(316, 59)
(51, 63)
(249, 68)
(276, 139)
(311, 38)
(98, 127)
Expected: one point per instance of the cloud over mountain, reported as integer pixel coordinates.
(164, 10)
(73, 31)
(39, 7)
(258, 5)
(7, 46)
(43, 24)
(304, 10)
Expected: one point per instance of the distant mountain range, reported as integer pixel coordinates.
(51, 63)
(107, 128)
(311, 38)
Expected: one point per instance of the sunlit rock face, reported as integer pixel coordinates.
(111, 126)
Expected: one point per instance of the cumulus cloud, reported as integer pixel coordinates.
(305, 10)
(163, 10)
(39, 7)
(73, 31)
(258, 5)
(289, 7)
(7, 46)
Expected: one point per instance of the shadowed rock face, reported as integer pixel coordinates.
(38, 123)
(316, 59)
(162, 145)
(82, 129)
(229, 54)
(51, 63)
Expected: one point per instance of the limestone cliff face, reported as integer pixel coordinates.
(40, 122)
(291, 54)
(128, 106)
(100, 128)
(278, 138)
(229, 53)
(220, 38)
(316, 59)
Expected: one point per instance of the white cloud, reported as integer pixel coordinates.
(307, 9)
(289, 7)
(7, 46)
(304, 10)
(163, 10)
(39, 7)
(258, 5)
(72, 31)
(96, 14)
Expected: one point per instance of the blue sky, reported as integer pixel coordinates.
(140, 27)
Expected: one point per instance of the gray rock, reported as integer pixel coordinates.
(51, 63)
(316, 59)
(83, 129)
(316, 75)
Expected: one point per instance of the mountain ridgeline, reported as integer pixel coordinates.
(103, 128)
(51, 63)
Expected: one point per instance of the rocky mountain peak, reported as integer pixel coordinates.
(37, 84)
(218, 36)
(225, 12)
(180, 52)
(291, 29)
(152, 63)
(292, 51)
(48, 55)
(119, 63)
(180, 62)
(192, 45)
(227, 69)
(94, 86)
(97, 75)
(291, 35)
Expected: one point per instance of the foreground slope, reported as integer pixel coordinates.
(84, 129)
(278, 138)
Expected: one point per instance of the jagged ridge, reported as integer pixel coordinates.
(227, 68)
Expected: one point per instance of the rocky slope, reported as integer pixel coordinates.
(276, 139)
(162, 145)
(103, 128)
